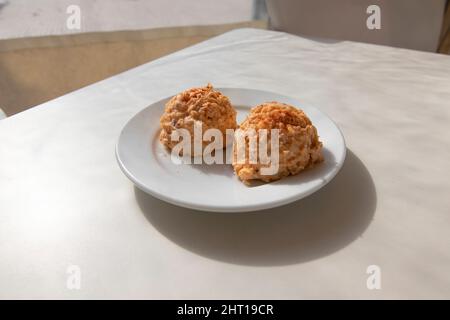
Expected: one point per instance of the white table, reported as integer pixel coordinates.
(64, 200)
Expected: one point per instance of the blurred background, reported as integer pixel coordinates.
(51, 47)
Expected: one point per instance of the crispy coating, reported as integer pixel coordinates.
(197, 105)
(299, 145)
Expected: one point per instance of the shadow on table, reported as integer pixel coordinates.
(308, 229)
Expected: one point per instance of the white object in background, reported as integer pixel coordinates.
(2, 114)
(217, 188)
(412, 24)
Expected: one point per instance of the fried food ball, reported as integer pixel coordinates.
(194, 106)
(299, 145)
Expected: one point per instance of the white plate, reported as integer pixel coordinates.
(215, 187)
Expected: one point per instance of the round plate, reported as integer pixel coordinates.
(215, 187)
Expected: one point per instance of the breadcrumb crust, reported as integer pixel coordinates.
(299, 145)
(205, 105)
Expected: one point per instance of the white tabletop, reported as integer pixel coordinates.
(64, 200)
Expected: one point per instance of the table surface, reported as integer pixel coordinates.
(64, 201)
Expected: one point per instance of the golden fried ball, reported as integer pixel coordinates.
(197, 105)
(299, 145)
